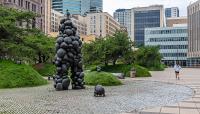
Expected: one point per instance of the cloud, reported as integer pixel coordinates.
(111, 5)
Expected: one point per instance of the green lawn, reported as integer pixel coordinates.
(13, 75)
(102, 78)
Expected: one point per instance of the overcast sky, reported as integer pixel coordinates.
(111, 5)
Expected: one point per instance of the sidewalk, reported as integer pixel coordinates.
(190, 78)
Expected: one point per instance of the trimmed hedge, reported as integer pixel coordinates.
(102, 78)
(141, 71)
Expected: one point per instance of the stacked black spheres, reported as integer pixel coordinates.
(68, 55)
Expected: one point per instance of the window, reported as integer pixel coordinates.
(41, 10)
(33, 7)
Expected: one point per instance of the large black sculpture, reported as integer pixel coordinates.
(68, 55)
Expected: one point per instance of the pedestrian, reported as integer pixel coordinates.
(177, 69)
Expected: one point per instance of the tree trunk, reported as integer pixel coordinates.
(106, 63)
(39, 57)
(114, 62)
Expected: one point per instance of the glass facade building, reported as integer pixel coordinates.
(145, 19)
(96, 5)
(172, 12)
(173, 43)
(74, 6)
(77, 6)
(123, 16)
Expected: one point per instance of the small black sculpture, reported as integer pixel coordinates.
(99, 91)
(68, 55)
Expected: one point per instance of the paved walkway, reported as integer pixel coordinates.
(190, 78)
(133, 96)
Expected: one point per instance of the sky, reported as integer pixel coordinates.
(111, 5)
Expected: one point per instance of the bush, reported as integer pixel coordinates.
(102, 78)
(45, 69)
(160, 67)
(141, 71)
(119, 68)
(13, 75)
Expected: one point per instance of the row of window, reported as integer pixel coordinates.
(174, 54)
(173, 46)
(175, 31)
(27, 4)
(168, 39)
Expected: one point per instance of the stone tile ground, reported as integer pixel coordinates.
(134, 96)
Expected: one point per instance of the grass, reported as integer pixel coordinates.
(141, 71)
(45, 69)
(123, 68)
(102, 78)
(13, 75)
(118, 68)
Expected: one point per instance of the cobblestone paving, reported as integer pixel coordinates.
(130, 97)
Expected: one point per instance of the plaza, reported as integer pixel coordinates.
(159, 94)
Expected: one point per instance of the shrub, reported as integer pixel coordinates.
(13, 75)
(141, 71)
(45, 69)
(119, 68)
(102, 78)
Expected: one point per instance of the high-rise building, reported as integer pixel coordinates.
(47, 16)
(40, 7)
(194, 34)
(176, 21)
(96, 5)
(85, 6)
(101, 24)
(80, 7)
(173, 43)
(145, 17)
(123, 16)
(78, 20)
(137, 19)
(172, 12)
(74, 6)
(55, 20)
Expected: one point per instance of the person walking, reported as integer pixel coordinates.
(177, 69)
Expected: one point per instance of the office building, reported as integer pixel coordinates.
(172, 12)
(123, 16)
(96, 5)
(74, 6)
(194, 34)
(55, 20)
(79, 7)
(78, 20)
(40, 7)
(173, 43)
(81, 23)
(101, 24)
(47, 17)
(145, 17)
(176, 21)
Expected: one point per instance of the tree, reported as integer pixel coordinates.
(107, 49)
(27, 43)
(122, 45)
(148, 57)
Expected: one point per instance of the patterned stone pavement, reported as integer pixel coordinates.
(190, 78)
(131, 98)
